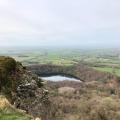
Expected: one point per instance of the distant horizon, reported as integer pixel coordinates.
(59, 47)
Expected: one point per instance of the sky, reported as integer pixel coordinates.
(60, 23)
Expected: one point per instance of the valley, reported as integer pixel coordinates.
(86, 89)
(106, 60)
(59, 59)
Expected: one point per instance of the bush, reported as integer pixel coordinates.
(7, 67)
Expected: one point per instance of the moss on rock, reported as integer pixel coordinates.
(7, 68)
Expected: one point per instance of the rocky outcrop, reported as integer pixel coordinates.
(23, 89)
(32, 99)
(31, 95)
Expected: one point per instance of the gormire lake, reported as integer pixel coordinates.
(59, 78)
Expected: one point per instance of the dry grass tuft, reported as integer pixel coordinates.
(63, 90)
(4, 103)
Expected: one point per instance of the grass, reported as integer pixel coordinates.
(104, 69)
(118, 72)
(108, 69)
(45, 59)
(12, 115)
(8, 112)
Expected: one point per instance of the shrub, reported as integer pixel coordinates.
(7, 67)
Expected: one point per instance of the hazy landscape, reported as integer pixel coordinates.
(59, 59)
(107, 60)
(76, 81)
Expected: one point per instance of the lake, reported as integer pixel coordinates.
(59, 78)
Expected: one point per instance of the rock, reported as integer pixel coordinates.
(27, 90)
(37, 118)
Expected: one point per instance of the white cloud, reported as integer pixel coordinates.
(51, 20)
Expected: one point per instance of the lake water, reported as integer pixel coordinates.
(59, 78)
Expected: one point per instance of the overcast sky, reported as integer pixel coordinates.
(60, 22)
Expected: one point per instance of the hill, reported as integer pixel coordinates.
(97, 97)
(19, 88)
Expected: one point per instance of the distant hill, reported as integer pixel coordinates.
(96, 98)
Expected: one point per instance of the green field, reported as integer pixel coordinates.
(105, 69)
(109, 69)
(99, 59)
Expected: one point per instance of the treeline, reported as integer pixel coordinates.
(89, 101)
(79, 71)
